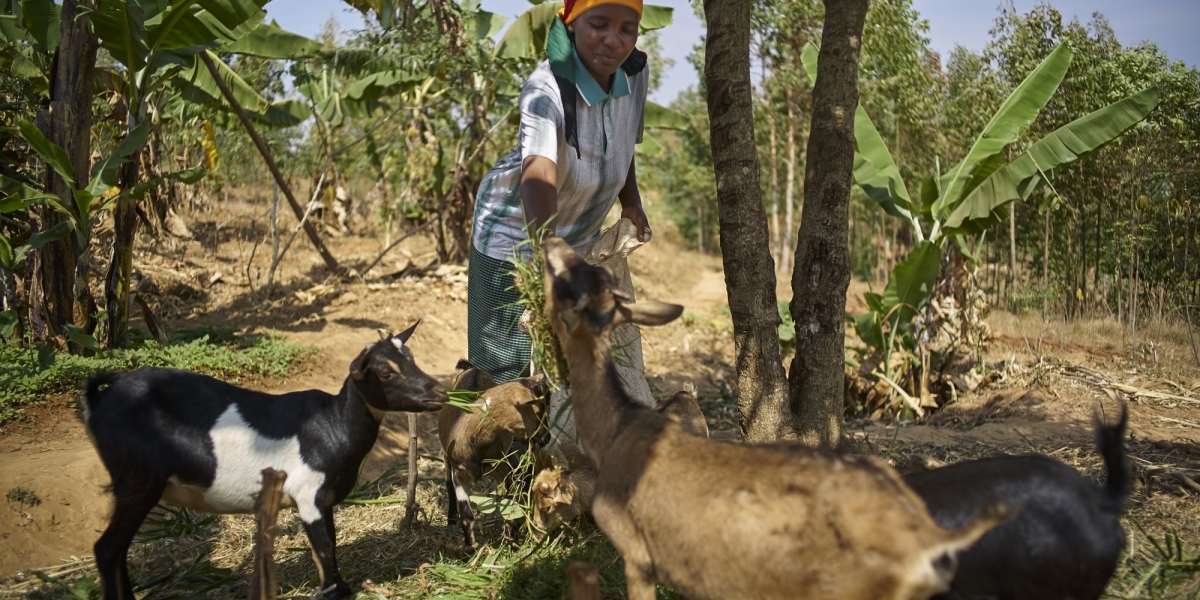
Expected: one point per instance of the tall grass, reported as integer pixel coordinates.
(548, 356)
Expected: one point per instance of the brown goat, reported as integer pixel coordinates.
(472, 378)
(727, 521)
(479, 442)
(560, 496)
(683, 408)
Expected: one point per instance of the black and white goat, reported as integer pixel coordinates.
(195, 441)
(1066, 538)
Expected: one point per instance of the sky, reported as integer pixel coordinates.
(1171, 24)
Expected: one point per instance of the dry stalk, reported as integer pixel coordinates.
(266, 515)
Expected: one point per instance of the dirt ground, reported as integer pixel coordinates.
(1051, 377)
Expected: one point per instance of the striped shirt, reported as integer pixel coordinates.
(609, 125)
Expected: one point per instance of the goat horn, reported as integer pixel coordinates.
(582, 303)
(383, 334)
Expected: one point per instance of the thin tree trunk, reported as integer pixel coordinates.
(330, 262)
(822, 272)
(745, 241)
(789, 194)
(1045, 261)
(1013, 279)
(68, 123)
(777, 248)
(116, 292)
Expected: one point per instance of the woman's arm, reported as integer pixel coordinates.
(631, 203)
(539, 192)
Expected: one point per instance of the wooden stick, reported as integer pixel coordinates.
(585, 581)
(266, 513)
(410, 508)
(330, 261)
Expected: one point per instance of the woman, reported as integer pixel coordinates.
(581, 115)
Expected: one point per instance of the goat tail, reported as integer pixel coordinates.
(1110, 441)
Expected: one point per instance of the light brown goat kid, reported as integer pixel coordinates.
(478, 442)
(727, 521)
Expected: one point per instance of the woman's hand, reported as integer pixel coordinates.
(631, 204)
(638, 216)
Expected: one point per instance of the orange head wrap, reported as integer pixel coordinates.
(574, 8)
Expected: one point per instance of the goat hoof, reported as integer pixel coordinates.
(335, 591)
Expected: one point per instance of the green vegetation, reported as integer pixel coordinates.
(29, 375)
(23, 496)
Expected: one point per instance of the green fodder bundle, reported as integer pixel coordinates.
(548, 356)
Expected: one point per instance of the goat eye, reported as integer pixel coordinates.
(386, 373)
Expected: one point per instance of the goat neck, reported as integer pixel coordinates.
(601, 404)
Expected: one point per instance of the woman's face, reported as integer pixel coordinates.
(604, 37)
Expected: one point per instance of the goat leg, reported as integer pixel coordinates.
(465, 514)
(627, 538)
(133, 503)
(322, 538)
(451, 497)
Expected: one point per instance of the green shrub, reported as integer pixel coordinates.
(29, 375)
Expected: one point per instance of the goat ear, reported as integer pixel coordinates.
(649, 313)
(358, 368)
(407, 333)
(560, 256)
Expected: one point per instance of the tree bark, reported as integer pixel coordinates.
(822, 272)
(116, 289)
(777, 247)
(68, 124)
(745, 240)
(1013, 280)
(789, 195)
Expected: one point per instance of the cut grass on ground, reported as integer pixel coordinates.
(28, 377)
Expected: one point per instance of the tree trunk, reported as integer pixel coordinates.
(68, 123)
(1045, 262)
(789, 194)
(745, 241)
(116, 292)
(822, 272)
(777, 248)
(1013, 280)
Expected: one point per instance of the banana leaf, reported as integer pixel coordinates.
(486, 24)
(196, 84)
(11, 30)
(648, 147)
(660, 117)
(526, 37)
(1019, 178)
(121, 25)
(269, 40)
(54, 156)
(655, 17)
(912, 281)
(876, 173)
(1008, 124)
(40, 19)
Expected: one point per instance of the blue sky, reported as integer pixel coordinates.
(1171, 24)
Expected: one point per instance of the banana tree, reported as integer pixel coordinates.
(967, 199)
(160, 46)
